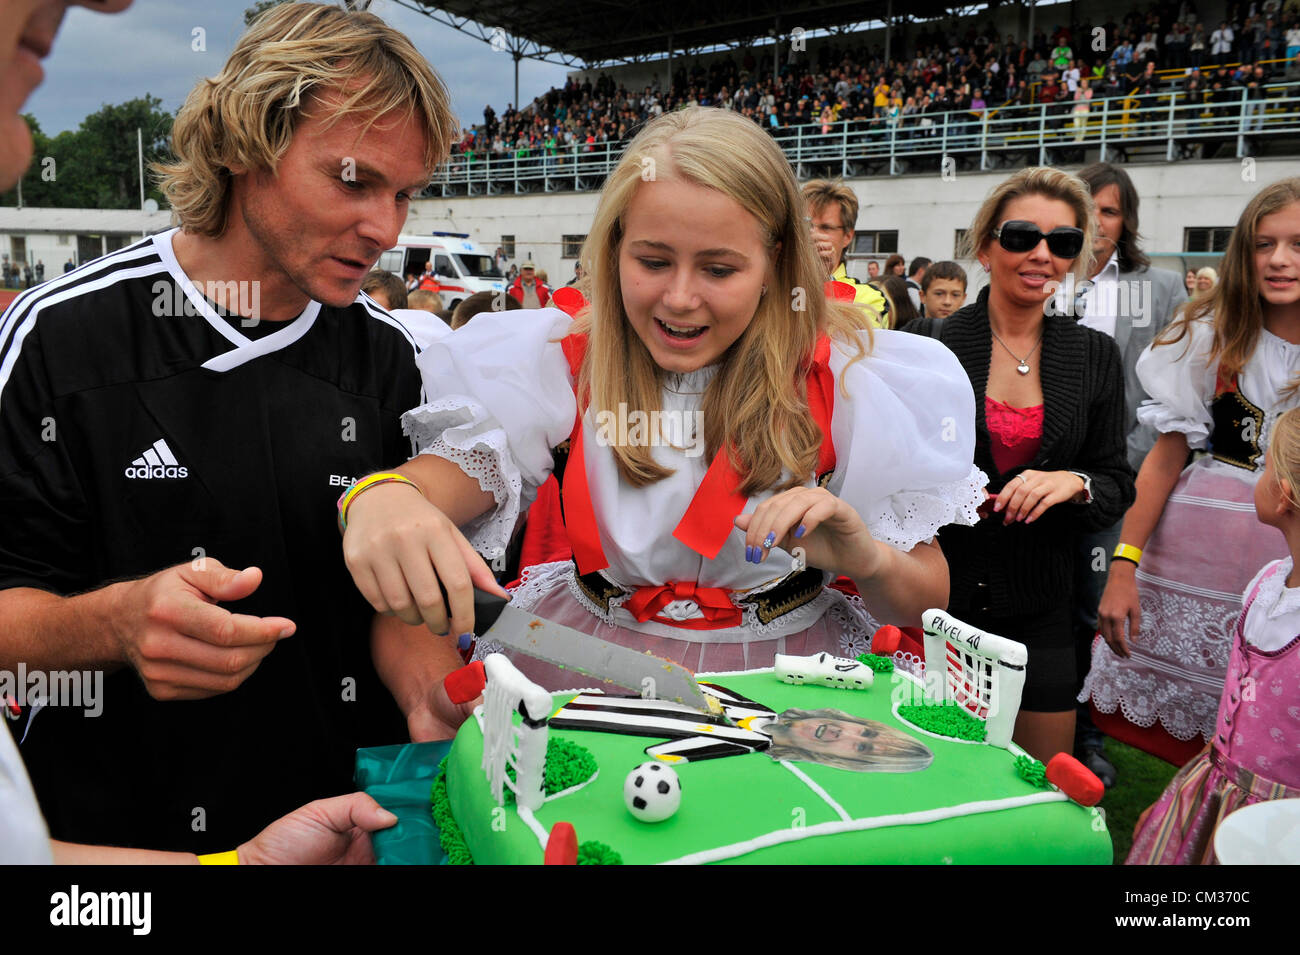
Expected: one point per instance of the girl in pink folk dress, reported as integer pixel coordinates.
(1219, 377)
(727, 440)
(1255, 752)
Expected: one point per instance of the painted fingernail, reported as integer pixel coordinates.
(770, 539)
(749, 554)
(800, 530)
(464, 640)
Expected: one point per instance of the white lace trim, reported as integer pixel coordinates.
(459, 429)
(910, 517)
(1144, 695)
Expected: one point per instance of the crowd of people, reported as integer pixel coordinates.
(934, 69)
(861, 451)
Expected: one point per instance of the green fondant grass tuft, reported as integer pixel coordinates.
(876, 662)
(597, 853)
(449, 834)
(567, 765)
(944, 719)
(1032, 771)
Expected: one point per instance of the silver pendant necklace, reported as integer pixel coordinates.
(1023, 363)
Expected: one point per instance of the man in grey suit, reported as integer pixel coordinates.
(1131, 302)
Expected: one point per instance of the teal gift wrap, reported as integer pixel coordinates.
(400, 778)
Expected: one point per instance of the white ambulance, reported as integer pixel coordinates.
(461, 265)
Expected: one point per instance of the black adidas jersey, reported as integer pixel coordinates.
(140, 429)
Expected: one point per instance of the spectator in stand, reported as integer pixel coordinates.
(386, 289)
(1062, 55)
(1082, 98)
(527, 290)
(1221, 41)
(1123, 54)
(895, 265)
(1197, 46)
(915, 279)
(943, 290)
(832, 212)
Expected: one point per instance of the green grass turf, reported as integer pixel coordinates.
(1142, 778)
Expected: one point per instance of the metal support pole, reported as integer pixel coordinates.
(1105, 125)
(889, 24)
(1042, 131)
(1169, 128)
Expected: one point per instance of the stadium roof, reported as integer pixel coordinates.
(592, 32)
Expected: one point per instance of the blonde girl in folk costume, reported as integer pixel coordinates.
(782, 443)
(1219, 377)
(1254, 754)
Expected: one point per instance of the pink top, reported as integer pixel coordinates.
(1259, 721)
(1015, 434)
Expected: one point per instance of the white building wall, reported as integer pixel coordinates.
(925, 210)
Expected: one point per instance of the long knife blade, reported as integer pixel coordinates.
(586, 655)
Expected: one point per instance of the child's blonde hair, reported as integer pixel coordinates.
(757, 404)
(1284, 452)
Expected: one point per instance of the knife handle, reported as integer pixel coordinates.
(487, 607)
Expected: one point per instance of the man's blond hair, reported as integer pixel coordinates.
(246, 115)
(819, 193)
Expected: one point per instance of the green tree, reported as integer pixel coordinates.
(97, 165)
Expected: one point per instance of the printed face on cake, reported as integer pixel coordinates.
(834, 738)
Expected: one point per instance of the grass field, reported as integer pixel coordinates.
(1142, 778)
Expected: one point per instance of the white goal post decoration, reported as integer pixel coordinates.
(981, 672)
(504, 744)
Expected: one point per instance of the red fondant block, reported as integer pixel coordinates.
(466, 683)
(885, 641)
(1075, 780)
(561, 845)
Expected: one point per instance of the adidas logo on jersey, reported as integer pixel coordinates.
(157, 462)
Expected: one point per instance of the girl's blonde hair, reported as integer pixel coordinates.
(1208, 273)
(246, 115)
(757, 404)
(1035, 181)
(1284, 452)
(1234, 302)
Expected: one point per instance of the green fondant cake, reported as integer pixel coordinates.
(969, 805)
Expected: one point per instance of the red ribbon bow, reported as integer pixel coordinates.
(714, 603)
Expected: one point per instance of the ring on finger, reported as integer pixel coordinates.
(1023, 478)
(769, 540)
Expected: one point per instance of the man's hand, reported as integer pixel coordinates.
(184, 646)
(827, 252)
(440, 718)
(325, 832)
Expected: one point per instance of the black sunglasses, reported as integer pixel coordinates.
(1065, 242)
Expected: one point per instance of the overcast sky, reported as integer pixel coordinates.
(100, 59)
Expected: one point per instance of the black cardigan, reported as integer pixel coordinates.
(1028, 568)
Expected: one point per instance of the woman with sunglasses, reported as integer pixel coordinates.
(1049, 416)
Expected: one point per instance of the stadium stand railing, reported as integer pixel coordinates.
(1158, 126)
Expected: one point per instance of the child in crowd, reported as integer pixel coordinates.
(774, 441)
(1255, 752)
(943, 290)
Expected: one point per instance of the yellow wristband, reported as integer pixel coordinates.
(220, 858)
(1128, 552)
(373, 480)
